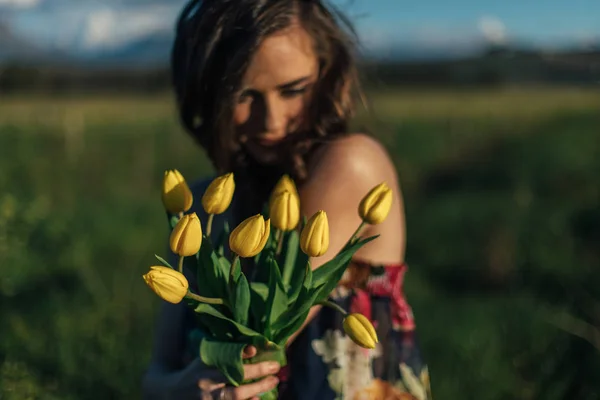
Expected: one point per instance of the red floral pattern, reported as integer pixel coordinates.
(388, 285)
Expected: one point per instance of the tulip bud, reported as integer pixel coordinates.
(285, 184)
(314, 239)
(218, 195)
(176, 194)
(360, 330)
(285, 211)
(249, 238)
(186, 237)
(168, 284)
(375, 206)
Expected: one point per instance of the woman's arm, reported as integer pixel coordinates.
(343, 174)
(167, 352)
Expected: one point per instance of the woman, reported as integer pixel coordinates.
(264, 86)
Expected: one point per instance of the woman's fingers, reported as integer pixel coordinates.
(249, 352)
(259, 370)
(252, 390)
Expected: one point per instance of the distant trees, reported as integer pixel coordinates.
(497, 66)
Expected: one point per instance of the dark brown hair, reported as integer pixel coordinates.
(214, 42)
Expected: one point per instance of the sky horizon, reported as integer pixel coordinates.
(92, 24)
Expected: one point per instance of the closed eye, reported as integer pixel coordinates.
(289, 93)
(246, 95)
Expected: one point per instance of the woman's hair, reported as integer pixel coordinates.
(215, 41)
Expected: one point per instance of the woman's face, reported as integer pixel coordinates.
(275, 93)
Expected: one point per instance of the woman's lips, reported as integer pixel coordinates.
(268, 142)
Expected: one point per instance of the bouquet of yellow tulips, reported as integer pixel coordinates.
(265, 311)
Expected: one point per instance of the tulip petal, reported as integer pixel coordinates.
(176, 194)
(186, 238)
(219, 194)
(246, 240)
(168, 284)
(375, 206)
(314, 239)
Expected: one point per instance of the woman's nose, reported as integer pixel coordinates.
(275, 118)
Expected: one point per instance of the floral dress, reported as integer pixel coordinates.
(324, 364)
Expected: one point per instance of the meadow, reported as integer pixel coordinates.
(502, 193)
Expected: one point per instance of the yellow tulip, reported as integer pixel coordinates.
(360, 330)
(168, 284)
(249, 238)
(218, 195)
(285, 184)
(186, 237)
(375, 206)
(176, 194)
(285, 211)
(314, 239)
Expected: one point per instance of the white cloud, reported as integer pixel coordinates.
(493, 29)
(20, 3)
(99, 28)
(107, 27)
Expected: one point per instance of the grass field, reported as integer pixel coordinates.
(502, 192)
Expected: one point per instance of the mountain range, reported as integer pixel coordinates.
(153, 51)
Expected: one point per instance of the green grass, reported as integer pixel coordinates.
(501, 189)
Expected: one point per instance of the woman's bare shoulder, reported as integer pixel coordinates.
(353, 154)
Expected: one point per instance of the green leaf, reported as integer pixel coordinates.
(211, 279)
(225, 356)
(261, 289)
(324, 289)
(224, 265)
(282, 335)
(258, 298)
(306, 299)
(308, 277)
(162, 260)
(241, 302)
(211, 325)
(276, 303)
(323, 274)
(298, 277)
(261, 270)
(237, 331)
(236, 269)
(284, 326)
(291, 246)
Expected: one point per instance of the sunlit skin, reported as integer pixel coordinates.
(275, 92)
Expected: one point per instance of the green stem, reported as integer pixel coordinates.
(306, 268)
(334, 306)
(279, 240)
(202, 299)
(355, 234)
(209, 224)
(180, 264)
(287, 272)
(231, 270)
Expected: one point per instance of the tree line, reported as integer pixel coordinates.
(492, 68)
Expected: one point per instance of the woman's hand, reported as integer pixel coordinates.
(199, 381)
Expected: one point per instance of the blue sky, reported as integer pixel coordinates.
(96, 23)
